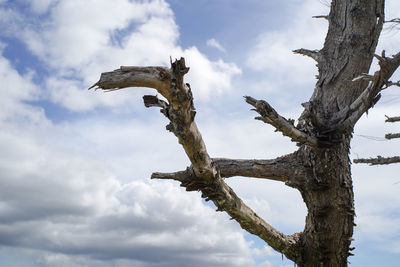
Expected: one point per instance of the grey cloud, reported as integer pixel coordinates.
(63, 203)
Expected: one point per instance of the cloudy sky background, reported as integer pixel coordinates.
(75, 164)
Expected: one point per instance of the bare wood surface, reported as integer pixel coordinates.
(286, 127)
(152, 77)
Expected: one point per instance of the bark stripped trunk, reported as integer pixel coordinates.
(320, 169)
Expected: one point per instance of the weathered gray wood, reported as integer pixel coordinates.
(270, 116)
(320, 169)
(204, 174)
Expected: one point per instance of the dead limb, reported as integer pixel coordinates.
(204, 174)
(286, 127)
(378, 160)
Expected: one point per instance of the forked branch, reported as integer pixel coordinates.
(204, 174)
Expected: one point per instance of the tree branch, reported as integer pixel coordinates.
(392, 135)
(396, 20)
(284, 169)
(179, 110)
(203, 175)
(286, 127)
(314, 54)
(321, 17)
(390, 83)
(371, 95)
(392, 119)
(378, 160)
(152, 77)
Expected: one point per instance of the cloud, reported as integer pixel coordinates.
(67, 204)
(214, 43)
(273, 54)
(16, 88)
(73, 193)
(61, 205)
(208, 78)
(40, 6)
(79, 40)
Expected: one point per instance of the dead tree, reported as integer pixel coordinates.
(320, 168)
(382, 160)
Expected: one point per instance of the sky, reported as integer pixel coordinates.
(75, 165)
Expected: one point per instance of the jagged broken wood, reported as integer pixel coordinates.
(281, 124)
(314, 54)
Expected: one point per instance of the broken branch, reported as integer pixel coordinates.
(151, 77)
(203, 175)
(321, 17)
(286, 127)
(314, 54)
(371, 95)
(378, 160)
(392, 135)
(283, 169)
(392, 119)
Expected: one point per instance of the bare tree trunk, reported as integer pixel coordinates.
(320, 169)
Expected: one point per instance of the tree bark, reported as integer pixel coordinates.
(320, 169)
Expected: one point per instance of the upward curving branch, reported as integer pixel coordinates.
(286, 127)
(371, 95)
(205, 174)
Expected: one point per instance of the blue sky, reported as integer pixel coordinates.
(75, 164)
